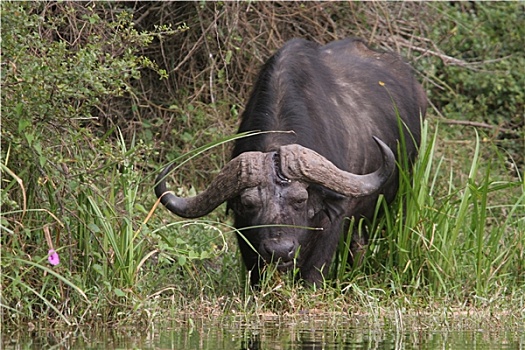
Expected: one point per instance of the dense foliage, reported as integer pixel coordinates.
(96, 96)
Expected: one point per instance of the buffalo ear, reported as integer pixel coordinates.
(333, 209)
(321, 199)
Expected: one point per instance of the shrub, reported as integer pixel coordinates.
(62, 171)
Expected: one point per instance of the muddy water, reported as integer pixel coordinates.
(310, 334)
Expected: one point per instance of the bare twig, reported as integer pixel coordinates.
(496, 128)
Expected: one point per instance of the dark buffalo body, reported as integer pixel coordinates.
(325, 108)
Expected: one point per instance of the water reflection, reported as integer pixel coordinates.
(386, 339)
(311, 334)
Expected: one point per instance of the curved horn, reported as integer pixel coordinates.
(301, 163)
(246, 170)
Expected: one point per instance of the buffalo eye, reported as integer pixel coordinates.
(299, 202)
(250, 200)
(248, 207)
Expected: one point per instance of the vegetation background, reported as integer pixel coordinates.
(96, 97)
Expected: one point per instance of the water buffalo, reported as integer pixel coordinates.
(335, 110)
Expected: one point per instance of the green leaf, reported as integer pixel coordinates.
(38, 147)
(228, 57)
(30, 137)
(22, 123)
(94, 228)
(98, 269)
(119, 292)
(181, 260)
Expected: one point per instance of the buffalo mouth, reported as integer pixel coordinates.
(285, 266)
(282, 266)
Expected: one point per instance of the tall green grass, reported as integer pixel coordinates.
(446, 238)
(94, 221)
(109, 236)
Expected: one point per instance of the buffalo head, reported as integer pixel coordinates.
(281, 193)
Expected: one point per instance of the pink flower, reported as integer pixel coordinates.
(53, 257)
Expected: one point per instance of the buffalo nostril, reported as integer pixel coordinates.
(278, 249)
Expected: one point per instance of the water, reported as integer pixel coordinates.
(309, 334)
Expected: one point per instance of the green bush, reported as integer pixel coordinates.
(485, 83)
(62, 171)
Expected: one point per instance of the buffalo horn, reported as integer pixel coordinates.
(303, 164)
(246, 170)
